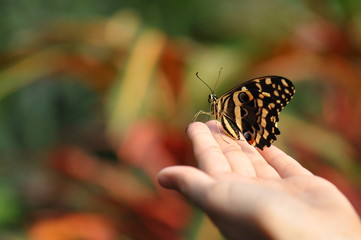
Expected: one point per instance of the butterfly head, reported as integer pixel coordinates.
(212, 99)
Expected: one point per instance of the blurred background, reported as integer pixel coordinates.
(95, 97)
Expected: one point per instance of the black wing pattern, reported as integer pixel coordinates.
(252, 109)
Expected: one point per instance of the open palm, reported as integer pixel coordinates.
(253, 194)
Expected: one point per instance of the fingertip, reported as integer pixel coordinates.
(194, 125)
(185, 179)
(198, 129)
(166, 179)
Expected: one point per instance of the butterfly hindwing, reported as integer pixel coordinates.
(252, 109)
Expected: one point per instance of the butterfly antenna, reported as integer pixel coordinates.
(219, 74)
(204, 82)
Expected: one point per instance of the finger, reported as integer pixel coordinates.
(191, 182)
(237, 159)
(285, 165)
(242, 157)
(206, 149)
(261, 166)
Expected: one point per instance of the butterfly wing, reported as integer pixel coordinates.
(252, 109)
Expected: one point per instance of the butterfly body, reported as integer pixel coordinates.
(251, 109)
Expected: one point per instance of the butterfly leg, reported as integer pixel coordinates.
(197, 115)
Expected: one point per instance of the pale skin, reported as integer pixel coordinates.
(253, 194)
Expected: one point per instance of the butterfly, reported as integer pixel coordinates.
(251, 108)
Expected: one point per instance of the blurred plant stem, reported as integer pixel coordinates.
(130, 93)
(27, 70)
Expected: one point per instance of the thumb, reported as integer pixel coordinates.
(190, 181)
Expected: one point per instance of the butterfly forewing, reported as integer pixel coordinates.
(252, 109)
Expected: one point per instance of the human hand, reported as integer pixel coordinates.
(254, 194)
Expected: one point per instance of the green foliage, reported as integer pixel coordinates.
(11, 208)
(36, 116)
